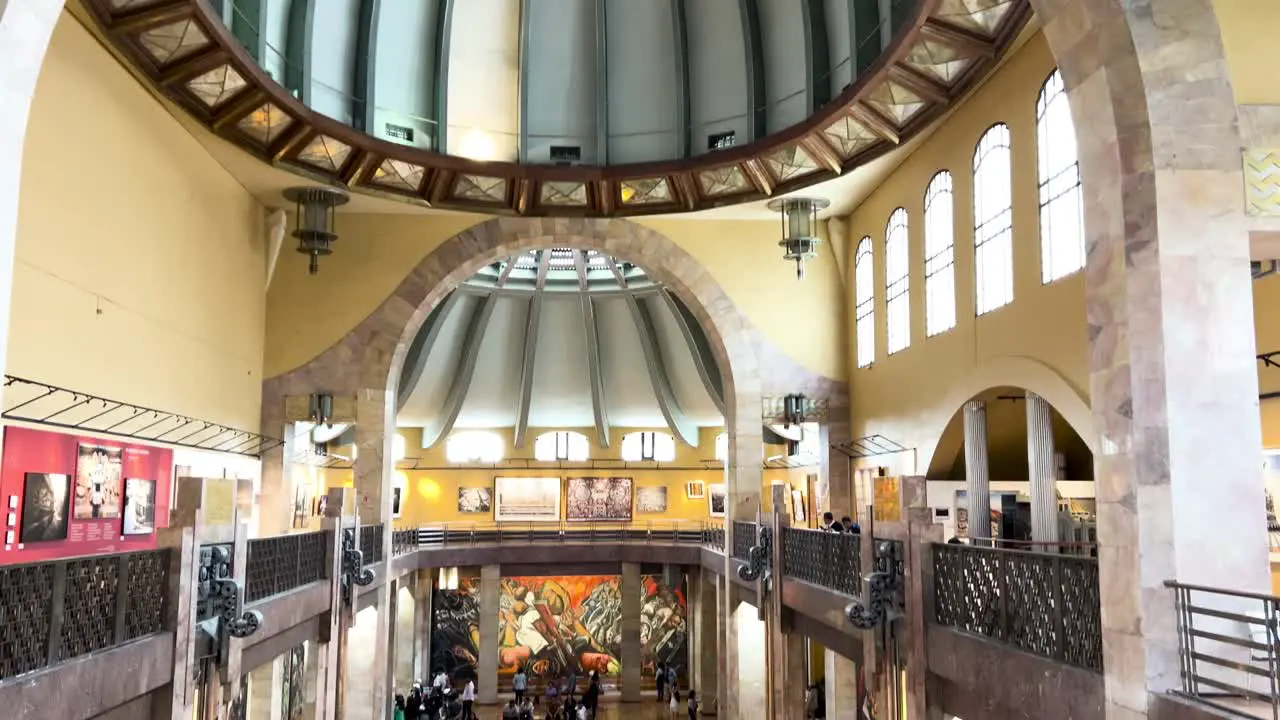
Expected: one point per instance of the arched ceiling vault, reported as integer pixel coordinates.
(560, 338)
(565, 107)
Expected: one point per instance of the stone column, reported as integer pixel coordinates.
(841, 686)
(976, 472)
(630, 660)
(181, 538)
(753, 671)
(722, 638)
(487, 684)
(744, 478)
(324, 692)
(423, 596)
(375, 427)
(1042, 470)
(795, 675)
(705, 661)
(265, 685)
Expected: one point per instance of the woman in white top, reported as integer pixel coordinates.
(468, 700)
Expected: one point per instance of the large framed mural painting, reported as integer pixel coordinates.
(556, 624)
(526, 499)
(606, 499)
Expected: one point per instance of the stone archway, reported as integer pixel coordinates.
(1169, 309)
(367, 362)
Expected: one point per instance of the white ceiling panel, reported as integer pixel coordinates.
(628, 390)
(440, 365)
(490, 400)
(681, 368)
(561, 376)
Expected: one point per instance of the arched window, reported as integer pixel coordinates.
(722, 447)
(473, 446)
(993, 220)
(648, 446)
(571, 446)
(897, 283)
(939, 256)
(865, 305)
(1061, 202)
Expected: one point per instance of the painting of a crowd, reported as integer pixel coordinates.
(559, 627)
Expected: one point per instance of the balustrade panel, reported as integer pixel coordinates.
(371, 544)
(146, 592)
(26, 605)
(285, 562)
(826, 559)
(744, 536)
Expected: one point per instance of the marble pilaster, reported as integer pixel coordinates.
(795, 675)
(752, 677)
(406, 639)
(841, 686)
(1042, 470)
(630, 660)
(265, 685)
(375, 428)
(423, 597)
(722, 623)
(976, 470)
(487, 683)
(362, 673)
(704, 648)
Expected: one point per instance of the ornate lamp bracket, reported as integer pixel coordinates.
(882, 593)
(353, 571)
(759, 565)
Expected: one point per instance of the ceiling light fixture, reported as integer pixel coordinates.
(314, 229)
(799, 228)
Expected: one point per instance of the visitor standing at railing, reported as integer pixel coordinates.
(848, 525)
(829, 523)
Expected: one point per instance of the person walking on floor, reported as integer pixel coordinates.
(660, 677)
(469, 700)
(520, 683)
(693, 705)
(673, 708)
(591, 698)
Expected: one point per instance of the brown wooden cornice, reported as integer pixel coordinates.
(193, 59)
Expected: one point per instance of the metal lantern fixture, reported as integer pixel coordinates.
(794, 409)
(799, 228)
(315, 206)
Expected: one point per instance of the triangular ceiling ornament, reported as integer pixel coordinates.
(325, 153)
(265, 123)
(728, 180)
(481, 188)
(646, 192)
(981, 15)
(895, 102)
(563, 193)
(398, 175)
(173, 41)
(791, 162)
(849, 136)
(216, 85)
(938, 60)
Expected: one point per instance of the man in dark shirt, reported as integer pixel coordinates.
(829, 523)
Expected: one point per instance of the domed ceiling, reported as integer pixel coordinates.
(553, 107)
(560, 338)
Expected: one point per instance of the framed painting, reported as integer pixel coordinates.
(527, 499)
(598, 499)
(695, 490)
(717, 500)
(651, 499)
(45, 499)
(139, 507)
(475, 500)
(99, 472)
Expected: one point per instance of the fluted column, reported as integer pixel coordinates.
(631, 592)
(487, 665)
(1042, 469)
(976, 471)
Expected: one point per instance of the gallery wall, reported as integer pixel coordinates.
(139, 265)
(306, 315)
(50, 484)
(431, 495)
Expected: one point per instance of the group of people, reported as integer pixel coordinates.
(560, 699)
(423, 703)
(843, 525)
(669, 689)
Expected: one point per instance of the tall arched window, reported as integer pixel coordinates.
(570, 446)
(473, 446)
(993, 220)
(648, 446)
(939, 256)
(897, 282)
(865, 305)
(1061, 203)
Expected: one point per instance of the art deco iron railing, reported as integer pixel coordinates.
(713, 537)
(744, 536)
(52, 612)
(1229, 649)
(371, 544)
(826, 559)
(403, 541)
(1045, 604)
(285, 562)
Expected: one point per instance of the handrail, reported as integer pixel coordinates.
(827, 559)
(1228, 640)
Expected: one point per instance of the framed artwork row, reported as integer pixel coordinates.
(578, 499)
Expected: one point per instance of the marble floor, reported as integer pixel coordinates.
(648, 710)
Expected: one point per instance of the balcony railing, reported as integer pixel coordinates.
(284, 562)
(744, 536)
(691, 533)
(1045, 604)
(404, 541)
(713, 537)
(826, 559)
(371, 544)
(52, 612)
(1229, 649)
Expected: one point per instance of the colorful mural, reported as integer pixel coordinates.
(549, 625)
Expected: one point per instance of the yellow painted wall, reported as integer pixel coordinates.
(307, 314)
(139, 265)
(432, 489)
(910, 396)
(1250, 29)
